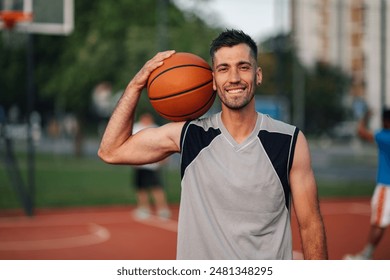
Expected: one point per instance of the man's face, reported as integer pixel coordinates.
(236, 75)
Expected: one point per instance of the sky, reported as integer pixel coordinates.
(258, 18)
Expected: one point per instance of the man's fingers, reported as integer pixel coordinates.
(158, 59)
(143, 75)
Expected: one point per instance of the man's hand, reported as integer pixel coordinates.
(141, 78)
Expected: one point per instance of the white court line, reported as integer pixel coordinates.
(154, 221)
(55, 220)
(97, 234)
(327, 208)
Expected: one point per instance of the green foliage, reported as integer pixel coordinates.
(13, 68)
(325, 86)
(324, 98)
(111, 42)
(277, 73)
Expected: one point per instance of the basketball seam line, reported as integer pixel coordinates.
(182, 92)
(174, 67)
(189, 114)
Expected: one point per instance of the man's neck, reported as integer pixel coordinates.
(240, 123)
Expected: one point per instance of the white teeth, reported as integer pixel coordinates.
(235, 90)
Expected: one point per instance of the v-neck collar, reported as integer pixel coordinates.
(238, 146)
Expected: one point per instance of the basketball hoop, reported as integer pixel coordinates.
(10, 18)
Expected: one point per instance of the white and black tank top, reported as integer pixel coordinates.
(235, 200)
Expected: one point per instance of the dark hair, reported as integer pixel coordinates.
(386, 114)
(230, 38)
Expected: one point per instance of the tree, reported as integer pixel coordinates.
(111, 42)
(325, 85)
(326, 88)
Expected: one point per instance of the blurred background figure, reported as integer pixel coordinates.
(380, 202)
(147, 181)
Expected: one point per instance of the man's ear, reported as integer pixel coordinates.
(259, 76)
(214, 85)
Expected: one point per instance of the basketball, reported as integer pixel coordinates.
(182, 88)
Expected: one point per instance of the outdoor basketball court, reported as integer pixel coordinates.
(111, 233)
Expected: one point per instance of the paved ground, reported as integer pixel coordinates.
(111, 233)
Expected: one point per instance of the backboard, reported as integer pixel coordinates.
(51, 17)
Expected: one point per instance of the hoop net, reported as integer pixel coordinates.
(10, 18)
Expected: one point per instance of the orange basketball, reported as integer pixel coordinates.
(182, 88)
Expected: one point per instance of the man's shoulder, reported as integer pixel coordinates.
(205, 121)
(207, 126)
(274, 125)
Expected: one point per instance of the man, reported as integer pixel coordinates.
(238, 166)
(380, 201)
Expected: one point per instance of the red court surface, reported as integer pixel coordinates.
(111, 233)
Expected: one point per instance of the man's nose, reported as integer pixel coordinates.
(234, 76)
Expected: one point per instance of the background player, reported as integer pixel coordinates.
(380, 202)
(147, 180)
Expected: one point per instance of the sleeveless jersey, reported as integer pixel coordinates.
(382, 138)
(235, 199)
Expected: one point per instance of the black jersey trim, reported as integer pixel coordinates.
(278, 148)
(193, 140)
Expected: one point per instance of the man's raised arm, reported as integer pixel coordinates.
(119, 145)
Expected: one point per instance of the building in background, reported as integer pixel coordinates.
(353, 35)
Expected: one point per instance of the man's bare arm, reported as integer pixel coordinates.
(363, 130)
(306, 205)
(119, 145)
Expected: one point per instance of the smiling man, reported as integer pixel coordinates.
(240, 169)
